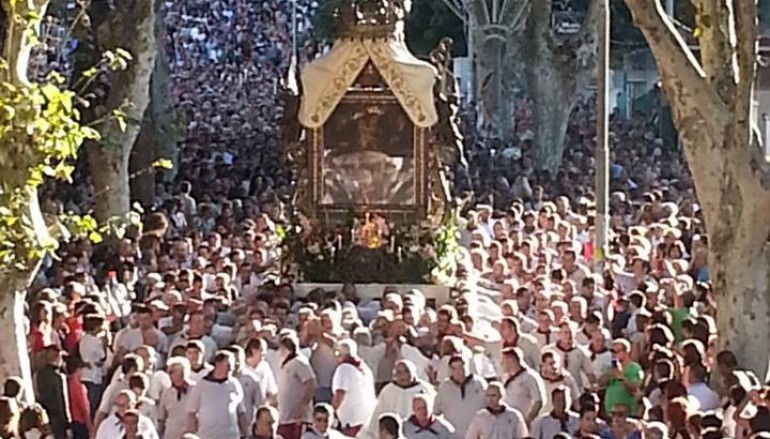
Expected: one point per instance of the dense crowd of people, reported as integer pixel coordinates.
(185, 330)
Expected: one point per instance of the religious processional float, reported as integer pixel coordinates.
(373, 135)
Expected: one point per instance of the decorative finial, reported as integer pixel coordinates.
(369, 19)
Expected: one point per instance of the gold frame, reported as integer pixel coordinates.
(339, 213)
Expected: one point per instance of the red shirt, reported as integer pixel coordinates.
(78, 396)
(72, 337)
(39, 339)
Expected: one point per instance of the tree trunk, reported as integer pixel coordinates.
(14, 356)
(109, 171)
(742, 294)
(129, 25)
(496, 107)
(730, 173)
(556, 72)
(17, 47)
(553, 94)
(494, 24)
(140, 163)
(158, 135)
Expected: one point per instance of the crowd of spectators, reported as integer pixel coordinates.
(183, 330)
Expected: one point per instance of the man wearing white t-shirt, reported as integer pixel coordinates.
(112, 426)
(353, 389)
(255, 361)
(215, 409)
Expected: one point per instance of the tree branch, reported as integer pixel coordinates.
(457, 8)
(746, 57)
(583, 47)
(713, 18)
(698, 111)
(674, 58)
(513, 13)
(17, 47)
(538, 23)
(478, 9)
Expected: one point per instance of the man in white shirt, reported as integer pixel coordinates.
(323, 415)
(112, 426)
(524, 389)
(423, 424)
(353, 389)
(130, 365)
(497, 420)
(255, 361)
(198, 368)
(144, 334)
(215, 409)
(460, 396)
(253, 396)
(196, 330)
(296, 387)
(172, 406)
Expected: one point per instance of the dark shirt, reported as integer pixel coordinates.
(52, 395)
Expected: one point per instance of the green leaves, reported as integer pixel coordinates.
(120, 119)
(163, 164)
(40, 135)
(117, 60)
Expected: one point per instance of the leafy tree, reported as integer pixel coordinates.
(40, 135)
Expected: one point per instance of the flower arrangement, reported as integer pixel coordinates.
(369, 250)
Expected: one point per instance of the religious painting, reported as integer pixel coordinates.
(368, 156)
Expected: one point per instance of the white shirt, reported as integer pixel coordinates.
(265, 378)
(291, 381)
(253, 396)
(199, 375)
(372, 355)
(112, 390)
(159, 381)
(133, 339)
(112, 428)
(172, 412)
(209, 345)
(217, 405)
(459, 403)
(421, 362)
(509, 424)
(92, 352)
(358, 385)
(398, 400)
